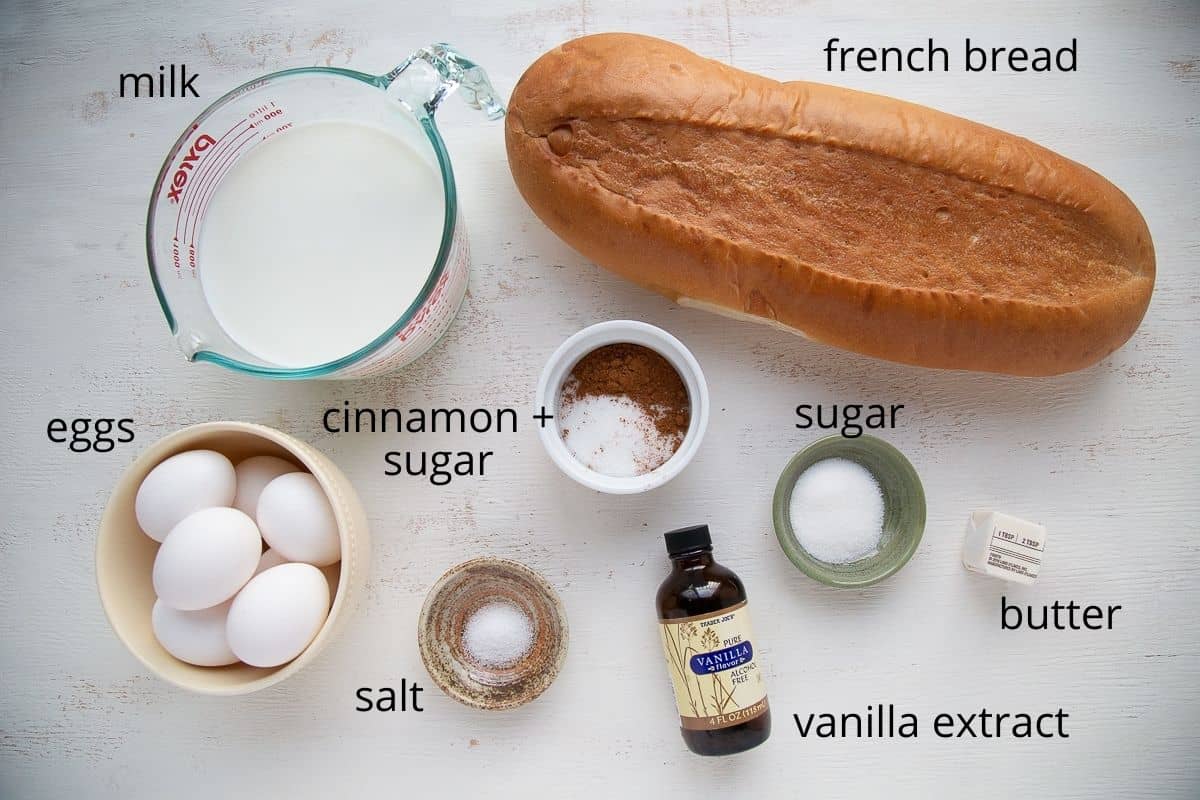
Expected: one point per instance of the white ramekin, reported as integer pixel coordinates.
(615, 332)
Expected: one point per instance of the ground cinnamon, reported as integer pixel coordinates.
(640, 374)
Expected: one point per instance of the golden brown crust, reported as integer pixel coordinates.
(858, 220)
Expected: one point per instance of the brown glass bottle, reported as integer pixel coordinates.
(705, 629)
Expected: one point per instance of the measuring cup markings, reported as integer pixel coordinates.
(412, 328)
(191, 164)
(189, 211)
(284, 127)
(271, 110)
(212, 153)
(190, 159)
(206, 185)
(175, 260)
(221, 144)
(246, 88)
(216, 151)
(423, 331)
(215, 168)
(214, 176)
(267, 110)
(174, 198)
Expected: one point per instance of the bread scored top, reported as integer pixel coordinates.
(857, 220)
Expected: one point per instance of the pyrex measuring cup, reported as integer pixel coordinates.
(403, 103)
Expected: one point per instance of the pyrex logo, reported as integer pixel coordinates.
(180, 178)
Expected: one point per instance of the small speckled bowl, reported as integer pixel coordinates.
(903, 510)
(460, 593)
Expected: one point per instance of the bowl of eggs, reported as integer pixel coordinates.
(228, 554)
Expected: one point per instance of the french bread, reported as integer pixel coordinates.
(854, 219)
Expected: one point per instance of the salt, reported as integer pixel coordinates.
(837, 511)
(613, 435)
(498, 634)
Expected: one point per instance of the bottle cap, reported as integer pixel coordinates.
(683, 540)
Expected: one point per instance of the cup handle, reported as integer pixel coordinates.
(430, 74)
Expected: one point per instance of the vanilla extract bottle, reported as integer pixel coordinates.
(711, 654)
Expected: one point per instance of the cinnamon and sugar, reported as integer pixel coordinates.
(624, 410)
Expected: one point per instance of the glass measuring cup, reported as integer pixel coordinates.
(401, 102)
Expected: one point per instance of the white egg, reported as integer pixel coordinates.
(197, 637)
(253, 475)
(333, 572)
(296, 519)
(277, 614)
(269, 558)
(206, 558)
(184, 483)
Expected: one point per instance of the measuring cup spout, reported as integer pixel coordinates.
(189, 342)
(430, 74)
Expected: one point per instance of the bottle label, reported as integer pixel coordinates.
(711, 660)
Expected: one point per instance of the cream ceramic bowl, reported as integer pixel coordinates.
(125, 555)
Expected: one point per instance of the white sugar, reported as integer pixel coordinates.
(498, 634)
(613, 435)
(837, 511)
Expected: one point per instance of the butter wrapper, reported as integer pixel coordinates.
(1004, 546)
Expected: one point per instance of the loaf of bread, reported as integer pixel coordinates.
(856, 220)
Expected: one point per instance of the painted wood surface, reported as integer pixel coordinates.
(1106, 458)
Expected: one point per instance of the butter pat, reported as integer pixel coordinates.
(1003, 546)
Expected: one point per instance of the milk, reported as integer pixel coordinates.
(319, 240)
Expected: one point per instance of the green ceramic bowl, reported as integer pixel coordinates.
(903, 510)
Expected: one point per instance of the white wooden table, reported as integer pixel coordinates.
(1106, 458)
